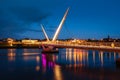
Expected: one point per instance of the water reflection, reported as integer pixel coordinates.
(87, 58)
(44, 63)
(38, 63)
(57, 73)
(48, 60)
(49, 63)
(74, 57)
(68, 57)
(11, 54)
(30, 52)
(37, 68)
(101, 58)
(28, 55)
(69, 62)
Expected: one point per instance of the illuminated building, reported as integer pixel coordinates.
(29, 41)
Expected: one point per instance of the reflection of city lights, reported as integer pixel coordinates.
(11, 58)
(101, 57)
(87, 58)
(69, 54)
(57, 73)
(74, 55)
(56, 57)
(70, 57)
(114, 56)
(11, 52)
(11, 55)
(118, 54)
(53, 58)
(37, 68)
(77, 55)
(37, 58)
(70, 65)
(94, 57)
(110, 56)
(25, 50)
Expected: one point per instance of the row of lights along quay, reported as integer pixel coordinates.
(105, 43)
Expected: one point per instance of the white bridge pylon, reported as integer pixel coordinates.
(45, 33)
(60, 26)
(58, 29)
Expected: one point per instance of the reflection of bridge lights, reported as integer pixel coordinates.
(77, 55)
(94, 57)
(51, 64)
(57, 73)
(114, 56)
(44, 60)
(44, 63)
(11, 54)
(74, 55)
(53, 58)
(69, 54)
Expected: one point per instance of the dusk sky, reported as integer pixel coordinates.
(86, 18)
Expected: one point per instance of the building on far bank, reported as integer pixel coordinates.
(29, 41)
(78, 41)
(10, 40)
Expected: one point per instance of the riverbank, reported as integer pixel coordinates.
(19, 46)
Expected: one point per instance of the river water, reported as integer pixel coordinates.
(68, 64)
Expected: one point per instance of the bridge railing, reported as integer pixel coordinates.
(90, 45)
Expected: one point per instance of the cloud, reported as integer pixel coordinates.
(17, 16)
(16, 19)
(28, 14)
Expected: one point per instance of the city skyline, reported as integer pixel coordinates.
(86, 19)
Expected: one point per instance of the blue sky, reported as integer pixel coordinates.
(86, 18)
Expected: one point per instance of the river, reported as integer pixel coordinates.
(68, 64)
